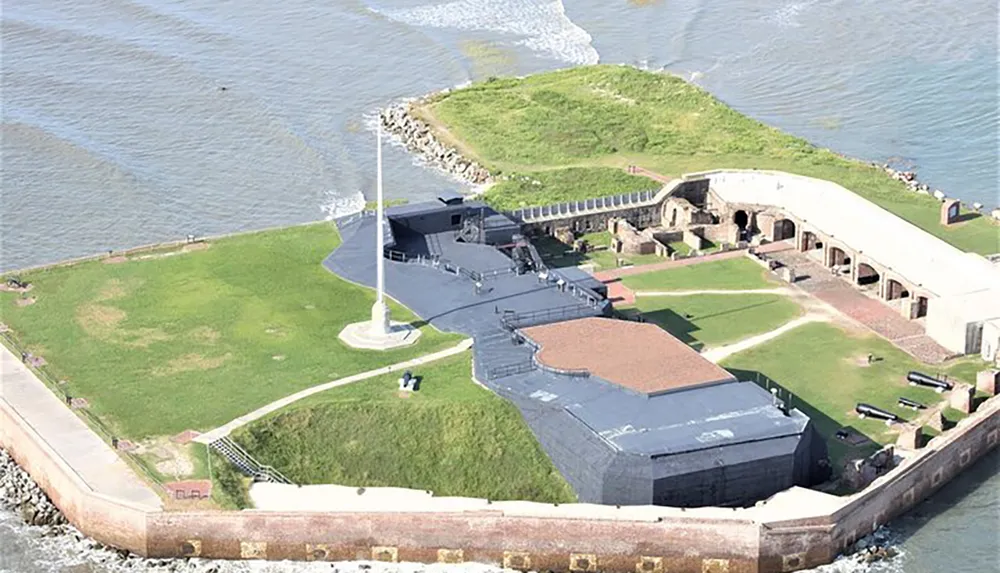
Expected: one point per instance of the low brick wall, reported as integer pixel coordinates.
(783, 534)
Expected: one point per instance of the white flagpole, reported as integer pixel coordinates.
(380, 263)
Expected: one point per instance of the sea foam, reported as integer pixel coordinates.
(540, 25)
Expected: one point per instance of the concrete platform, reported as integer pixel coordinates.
(360, 335)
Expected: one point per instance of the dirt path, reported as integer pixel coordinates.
(815, 310)
(722, 352)
(226, 429)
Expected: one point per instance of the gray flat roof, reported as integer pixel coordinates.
(685, 420)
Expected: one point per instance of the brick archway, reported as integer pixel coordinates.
(921, 307)
(809, 241)
(895, 290)
(867, 275)
(783, 229)
(836, 256)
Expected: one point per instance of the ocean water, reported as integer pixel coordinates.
(133, 121)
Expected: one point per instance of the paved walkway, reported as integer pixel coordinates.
(226, 429)
(87, 454)
(907, 335)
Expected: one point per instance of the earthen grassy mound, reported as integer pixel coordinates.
(557, 136)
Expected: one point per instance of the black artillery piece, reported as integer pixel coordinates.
(917, 379)
(869, 411)
(15, 282)
(907, 403)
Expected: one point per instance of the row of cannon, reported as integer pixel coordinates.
(914, 378)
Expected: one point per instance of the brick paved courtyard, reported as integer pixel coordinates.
(907, 335)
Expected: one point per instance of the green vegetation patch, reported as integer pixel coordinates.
(451, 437)
(727, 274)
(825, 368)
(561, 185)
(549, 126)
(717, 319)
(194, 338)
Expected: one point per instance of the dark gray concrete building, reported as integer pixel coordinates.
(653, 423)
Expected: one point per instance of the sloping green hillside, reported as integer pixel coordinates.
(451, 437)
(536, 128)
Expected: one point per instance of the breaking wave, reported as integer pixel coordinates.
(542, 25)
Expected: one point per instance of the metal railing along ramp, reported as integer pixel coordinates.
(587, 206)
(246, 463)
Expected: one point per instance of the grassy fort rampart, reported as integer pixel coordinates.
(568, 134)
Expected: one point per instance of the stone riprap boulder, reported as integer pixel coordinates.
(399, 121)
(20, 494)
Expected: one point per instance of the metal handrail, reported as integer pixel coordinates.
(513, 321)
(258, 469)
(506, 370)
(535, 347)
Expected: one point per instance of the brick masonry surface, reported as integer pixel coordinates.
(757, 540)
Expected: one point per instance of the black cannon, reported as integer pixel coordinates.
(869, 411)
(917, 379)
(907, 403)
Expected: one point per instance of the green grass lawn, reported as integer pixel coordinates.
(728, 274)
(823, 367)
(198, 338)
(707, 320)
(680, 247)
(451, 437)
(556, 134)
(561, 185)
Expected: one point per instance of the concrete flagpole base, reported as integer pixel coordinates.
(362, 335)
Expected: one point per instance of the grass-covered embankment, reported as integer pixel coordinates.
(555, 135)
(451, 437)
(182, 339)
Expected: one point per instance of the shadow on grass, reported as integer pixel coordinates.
(682, 327)
(557, 254)
(856, 445)
(978, 401)
(967, 216)
(677, 325)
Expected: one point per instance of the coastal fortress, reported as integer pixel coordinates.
(696, 460)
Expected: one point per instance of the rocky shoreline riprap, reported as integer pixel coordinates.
(19, 493)
(909, 178)
(416, 135)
